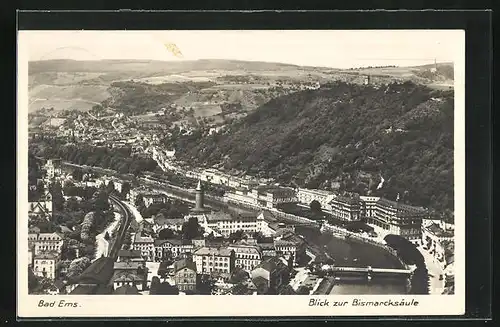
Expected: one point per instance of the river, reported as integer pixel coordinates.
(356, 254)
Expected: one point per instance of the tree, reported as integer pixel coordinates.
(236, 236)
(303, 290)
(191, 229)
(165, 234)
(110, 188)
(77, 174)
(155, 285)
(57, 196)
(72, 204)
(125, 190)
(139, 200)
(32, 281)
(77, 266)
(315, 206)
(101, 202)
(166, 289)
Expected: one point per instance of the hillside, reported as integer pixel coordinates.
(80, 85)
(343, 136)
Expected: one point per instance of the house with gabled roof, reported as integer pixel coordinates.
(185, 275)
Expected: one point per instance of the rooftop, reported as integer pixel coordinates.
(184, 263)
(272, 264)
(126, 265)
(221, 251)
(173, 241)
(129, 253)
(127, 290)
(126, 276)
(46, 256)
(138, 238)
(438, 231)
(243, 248)
(401, 207)
(346, 200)
(99, 272)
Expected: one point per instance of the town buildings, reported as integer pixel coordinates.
(262, 196)
(172, 248)
(247, 256)
(185, 275)
(129, 273)
(46, 242)
(153, 198)
(145, 244)
(436, 238)
(42, 207)
(214, 259)
(289, 246)
(225, 223)
(398, 218)
(273, 272)
(44, 264)
(306, 196)
(129, 255)
(52, 168)
(346, 208)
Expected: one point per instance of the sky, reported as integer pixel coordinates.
(324, 48)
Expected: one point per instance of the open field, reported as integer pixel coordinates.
(69, 84)
(61, 104)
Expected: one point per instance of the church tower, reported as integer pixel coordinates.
(199, 197)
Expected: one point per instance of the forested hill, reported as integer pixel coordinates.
(345, 137)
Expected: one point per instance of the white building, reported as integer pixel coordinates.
(263, 196)
(306, 196)
(46, 242)
(435, 239)
(211, 259)
(225, 224)
(145, 245)
(45, 265)
(247, 256)
(172, 248)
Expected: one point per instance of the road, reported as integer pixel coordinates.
(436, 286)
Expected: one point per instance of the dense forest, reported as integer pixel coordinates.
(344, 137)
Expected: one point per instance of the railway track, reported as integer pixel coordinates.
(125, 223)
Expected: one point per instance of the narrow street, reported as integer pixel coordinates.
(436, 286)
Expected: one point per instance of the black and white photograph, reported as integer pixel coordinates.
(326, 166)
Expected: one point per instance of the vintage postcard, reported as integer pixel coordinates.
(304, 173)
